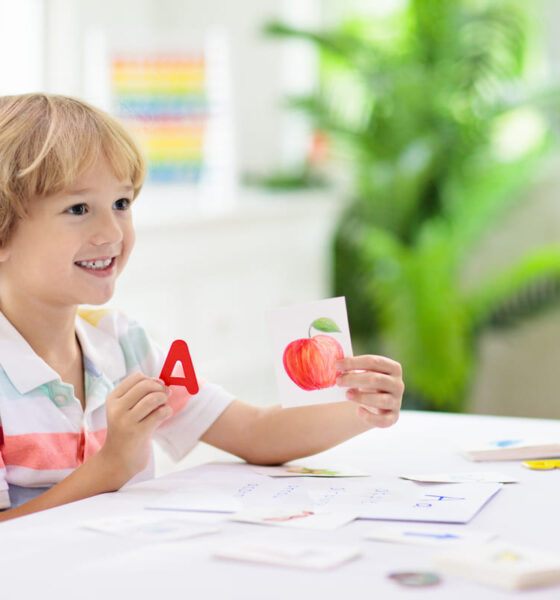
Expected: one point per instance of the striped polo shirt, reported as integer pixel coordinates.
(44, 432)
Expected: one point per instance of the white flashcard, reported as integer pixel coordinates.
(150, 527)
(294, 518)
(307, 340)
(405, 500)
(313, 557)
(426, 535)
(502, 564)
(293, 470)
(462, 477)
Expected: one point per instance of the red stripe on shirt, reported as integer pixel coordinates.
(49, 451)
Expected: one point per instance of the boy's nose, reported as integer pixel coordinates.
(107, 230)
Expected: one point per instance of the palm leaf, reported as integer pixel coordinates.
(531, 285)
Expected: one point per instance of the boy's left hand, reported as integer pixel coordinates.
(376, 386)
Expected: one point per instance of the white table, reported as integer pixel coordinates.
(48, 555)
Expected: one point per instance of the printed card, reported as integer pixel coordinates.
(427, 535)
(150, 527)
(463, 477)
(307, 340)
(295, 518)
(293, 470)
(313, 557)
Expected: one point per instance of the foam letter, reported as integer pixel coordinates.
(179, 351)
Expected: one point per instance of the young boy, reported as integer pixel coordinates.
(79, 396)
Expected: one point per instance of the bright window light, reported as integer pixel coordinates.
(22, 44)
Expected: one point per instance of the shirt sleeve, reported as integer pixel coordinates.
(192, 415)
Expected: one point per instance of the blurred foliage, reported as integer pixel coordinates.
(430, 111)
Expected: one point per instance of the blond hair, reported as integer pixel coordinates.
(47, 141)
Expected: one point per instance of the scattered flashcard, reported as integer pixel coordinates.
(179, 352)
(405, 500)
(463, 477)
(293, 470)
(511, 449)
(426, 535)
(307, 340)
(150, 527)
(503, 565)
(316, 557)
(295, 518)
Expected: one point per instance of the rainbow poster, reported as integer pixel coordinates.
(162, 99)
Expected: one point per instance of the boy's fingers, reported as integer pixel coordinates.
(369, 362)
(377, 401)
(156, 418)
(147, 405)
(138, 391)
(127, 384)
(370, 381)
(379, 418)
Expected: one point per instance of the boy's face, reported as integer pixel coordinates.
(71, 246)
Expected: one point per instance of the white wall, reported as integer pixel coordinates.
(263, 70)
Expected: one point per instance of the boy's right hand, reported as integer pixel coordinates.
(135, 409)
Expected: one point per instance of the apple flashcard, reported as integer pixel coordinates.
(307, 340)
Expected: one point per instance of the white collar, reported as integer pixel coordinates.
(27, 370)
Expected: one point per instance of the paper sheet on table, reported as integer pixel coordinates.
(232, 488)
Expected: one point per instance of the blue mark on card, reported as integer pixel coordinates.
(437, 536)
(505, 443)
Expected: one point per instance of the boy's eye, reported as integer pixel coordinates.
(122, 204)
(77, 209)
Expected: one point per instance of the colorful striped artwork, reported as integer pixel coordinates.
(162, 99)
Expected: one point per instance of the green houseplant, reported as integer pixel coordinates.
(415, 105)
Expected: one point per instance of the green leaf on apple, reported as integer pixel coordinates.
(325, 324)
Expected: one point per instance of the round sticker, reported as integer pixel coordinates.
(415, 578)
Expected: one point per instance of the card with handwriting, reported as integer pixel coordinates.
(307, 340)
(294, 518)
(308, 556)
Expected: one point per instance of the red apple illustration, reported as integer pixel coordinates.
(309, 362)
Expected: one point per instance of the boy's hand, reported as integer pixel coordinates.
(135, 408)
(376, 386)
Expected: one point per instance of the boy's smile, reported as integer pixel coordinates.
(72, 245)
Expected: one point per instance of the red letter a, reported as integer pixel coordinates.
(179, 351)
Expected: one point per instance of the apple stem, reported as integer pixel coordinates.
(309, 331)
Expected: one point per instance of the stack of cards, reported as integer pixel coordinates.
(503, 565)
(511, 449)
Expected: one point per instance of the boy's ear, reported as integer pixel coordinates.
(4, 252)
